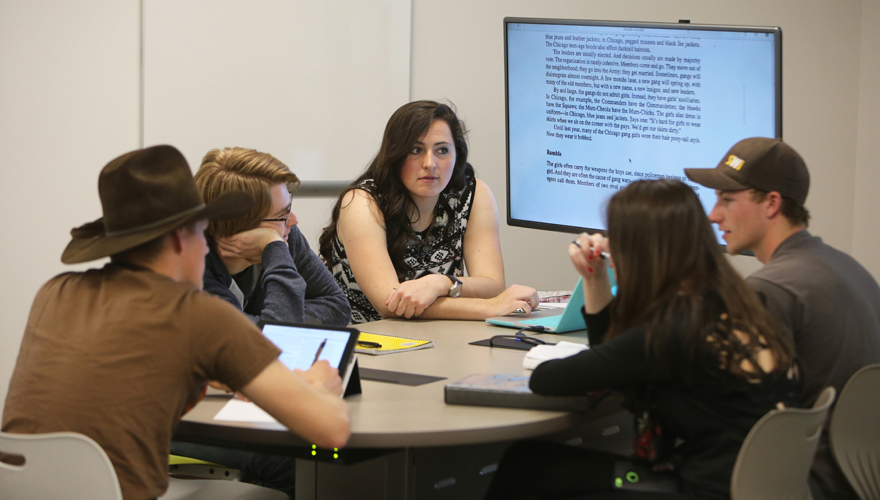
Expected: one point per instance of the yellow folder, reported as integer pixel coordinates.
(389, 343)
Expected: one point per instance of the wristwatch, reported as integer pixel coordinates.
(455, 289)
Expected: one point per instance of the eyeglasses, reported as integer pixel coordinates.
(284, 218)
(532, 341)
(519, 336)
(279, 219)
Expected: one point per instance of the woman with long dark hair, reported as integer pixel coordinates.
(402, 234)
(686, 339)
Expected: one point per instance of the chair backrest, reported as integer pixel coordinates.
(775, 458)
(855, 432)
(57, 465)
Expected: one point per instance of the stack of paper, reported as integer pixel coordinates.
(554, 296)
(541, 353)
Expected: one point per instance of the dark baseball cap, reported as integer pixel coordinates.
(758, 163)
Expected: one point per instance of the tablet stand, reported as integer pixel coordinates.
(352, 380)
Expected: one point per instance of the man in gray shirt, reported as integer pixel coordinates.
(829, 302)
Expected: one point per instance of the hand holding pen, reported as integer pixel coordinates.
(604, 255)
(589, 254)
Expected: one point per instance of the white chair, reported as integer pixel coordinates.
(71, 466)
(57, 465)
(775, 458)
(855, 432)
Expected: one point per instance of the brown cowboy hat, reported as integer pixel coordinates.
(145, 194)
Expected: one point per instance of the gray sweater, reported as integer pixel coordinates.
(831, 304)
(291, 284)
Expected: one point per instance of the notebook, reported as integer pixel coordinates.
(551, 320)
(511, 391)
(389, 343)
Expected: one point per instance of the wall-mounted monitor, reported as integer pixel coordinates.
(594, 105)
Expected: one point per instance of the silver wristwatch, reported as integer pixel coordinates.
(455, 289)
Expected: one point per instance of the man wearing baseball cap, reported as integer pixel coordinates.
(829, 302)
(119, 353)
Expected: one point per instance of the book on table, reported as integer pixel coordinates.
(387, 344)
(510, 391)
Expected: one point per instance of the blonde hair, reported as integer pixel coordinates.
(240, 169)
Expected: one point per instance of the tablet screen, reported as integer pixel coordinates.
(301, 344)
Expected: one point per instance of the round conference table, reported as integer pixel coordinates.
(388, 417)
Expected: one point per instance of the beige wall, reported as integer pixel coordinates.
(866, 223)
(69, 102)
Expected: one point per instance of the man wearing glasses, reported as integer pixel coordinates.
(261, 263)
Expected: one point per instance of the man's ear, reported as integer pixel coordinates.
(773, 204)
(176, 238)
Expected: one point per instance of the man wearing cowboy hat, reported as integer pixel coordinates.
(829, 302)
(119, 353)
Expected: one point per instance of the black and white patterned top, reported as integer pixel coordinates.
(436, 250)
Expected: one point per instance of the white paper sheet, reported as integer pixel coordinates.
(541, 353)
(237, 410)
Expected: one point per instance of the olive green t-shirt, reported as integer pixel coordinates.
(117, 354)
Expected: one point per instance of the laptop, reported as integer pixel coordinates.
(301, 345)
(553, 322)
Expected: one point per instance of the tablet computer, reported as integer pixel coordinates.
(302, 344)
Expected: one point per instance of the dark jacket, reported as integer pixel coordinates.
(291, 284)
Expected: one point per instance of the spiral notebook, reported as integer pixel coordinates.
(390, 344)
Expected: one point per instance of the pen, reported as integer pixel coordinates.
(604, 255)
(320, 348)
(369, 345)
